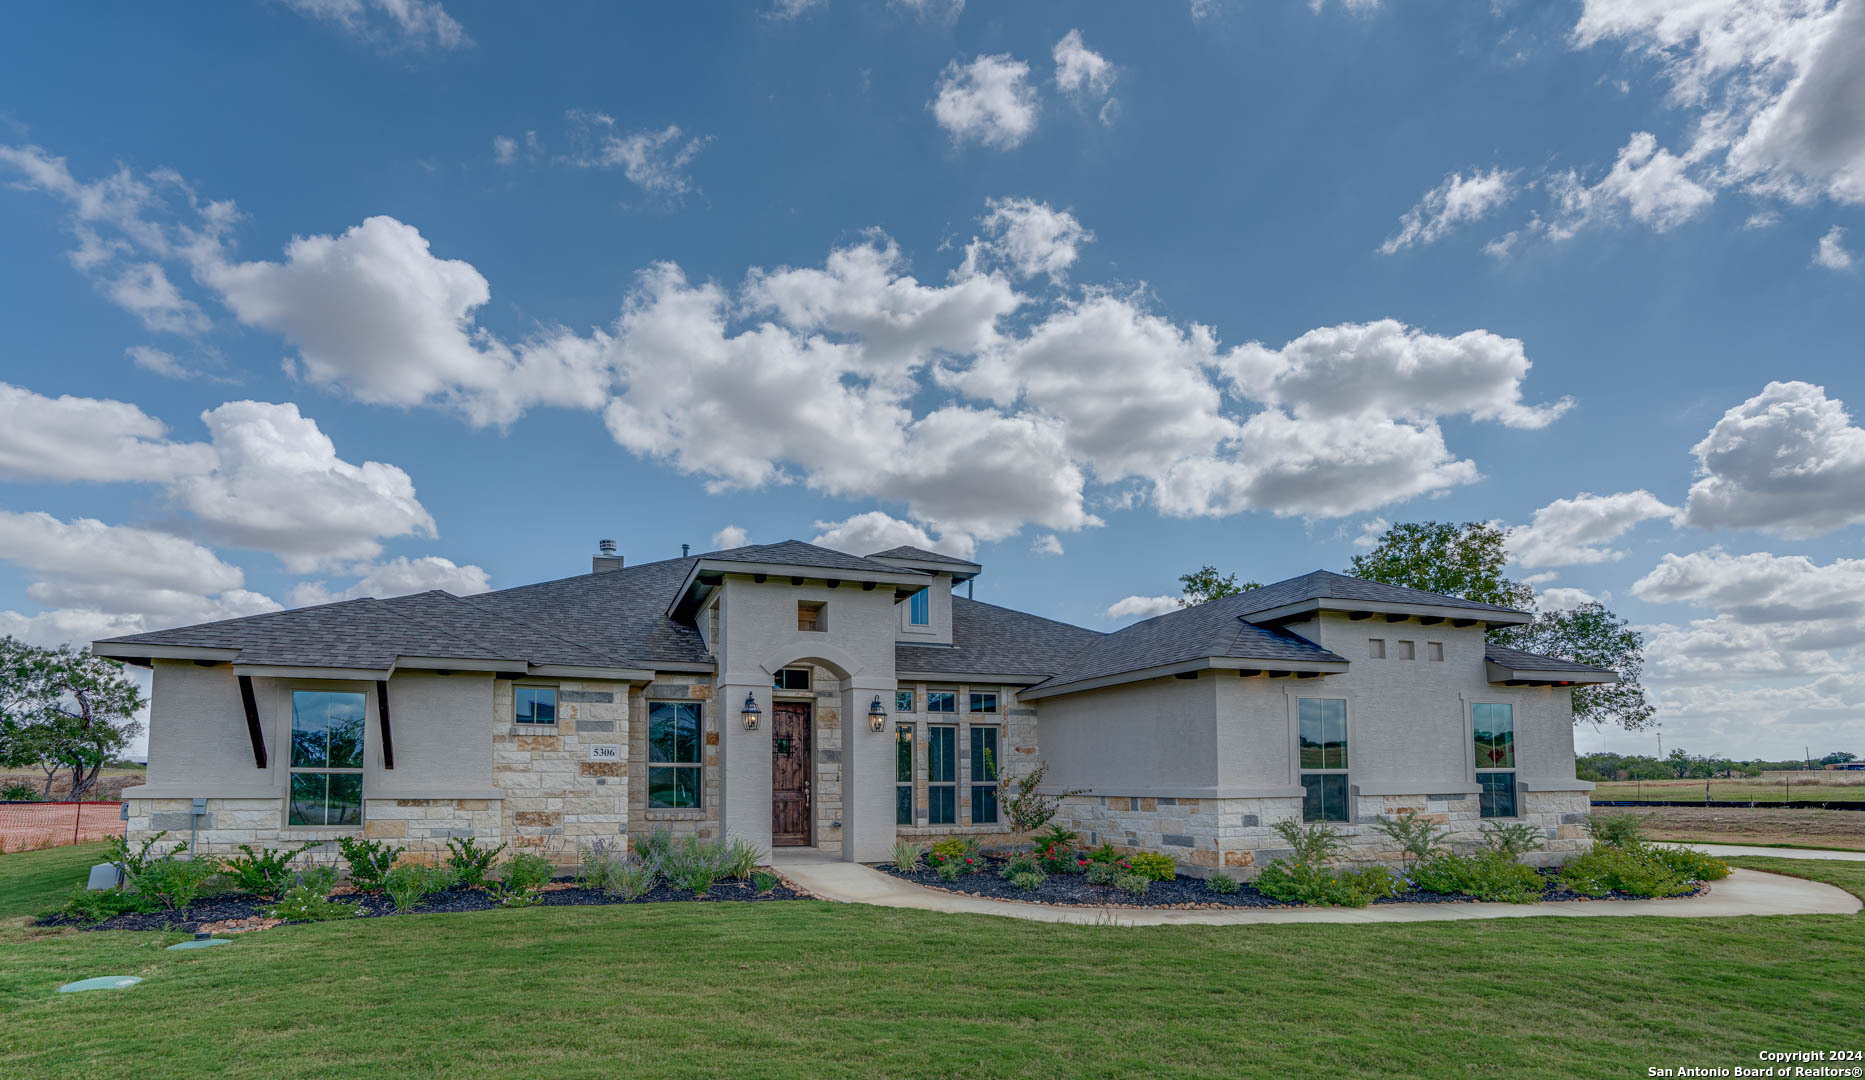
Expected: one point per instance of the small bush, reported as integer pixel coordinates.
(949, 870)
(1312, 845)
(1056, 834)
(907, 855)
(1028, 880)
(369, 860)
(1618, 830)
(1133, 884)
(1512, 841)
(1222, 884)
(409, 885)
(595, 858)
(133, 862)
(763, 880)
(740, 858)
(1104, 854)
(1105, 873)
(615, 871)
(654, 845)
(1489, 874)
(17, 792)
(319, 879)
(1153, 865)
(1691, 864)
(302, 903)
(1021, 863)
(96, 905)
(1635, 871)
(470, 862)
(693, 864)
(1054, 858)
(954, 847)
(264, 873)
(175, 883)
(1307, 883)
(1417, 837)
(522, 879)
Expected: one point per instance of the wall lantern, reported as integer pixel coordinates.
(877, 716)
(751, 712)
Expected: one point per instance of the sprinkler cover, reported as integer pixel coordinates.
(102, 982)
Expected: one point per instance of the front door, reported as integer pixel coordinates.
(790, 769)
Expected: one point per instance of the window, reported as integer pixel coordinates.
(941, 701)
(812, 615)
(903, 701)
(534, 705)
(942, 774)
(673, 755)
(1376, 648)
(791, 678)
(1494, 729)
(327, 729)
(1434, 650)
(903, 774)
(1322, 733)
(919, 608)
(983, 775)
(984, 703)
(1408, 650)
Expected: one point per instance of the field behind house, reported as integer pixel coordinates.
(1832, 786)
(109, 786)
(812, 989)
(1746, 825)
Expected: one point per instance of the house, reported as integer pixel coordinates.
(791, 695)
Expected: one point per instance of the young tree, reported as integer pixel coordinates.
(1839, 757)
(65, 709)
(1206, 584)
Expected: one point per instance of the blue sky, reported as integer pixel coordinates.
(315, 298)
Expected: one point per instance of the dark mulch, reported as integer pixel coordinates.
(1184, 892)
(235, 906)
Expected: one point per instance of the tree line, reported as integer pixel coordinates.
(1682, 765)
(64, 710)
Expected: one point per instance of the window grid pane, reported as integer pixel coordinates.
(919, 608)
(903, 701)
(984, 703)
(903, 775)
(1323, 732)
(535, 705)
(1494, 730)
(1498, 795)
(942, 774)
(1325, 797)
(941, 701)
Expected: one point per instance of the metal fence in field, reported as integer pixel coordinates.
(27, 826)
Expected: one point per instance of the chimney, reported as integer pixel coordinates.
(684, 548)
(605, 558)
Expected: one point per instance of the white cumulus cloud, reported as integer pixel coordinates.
(876, 530)
(1459, 200)
(1788, 461)
(989, 101)
(390, 24)
(731, 536)
(399, 576)
(1144, 607)
(1831, 252)
(1577, 531)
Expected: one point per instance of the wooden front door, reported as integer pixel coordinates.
(790, 772)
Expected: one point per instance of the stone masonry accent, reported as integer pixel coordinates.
(555, 797)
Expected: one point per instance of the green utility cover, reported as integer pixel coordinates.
(201, 943)
(102, 982)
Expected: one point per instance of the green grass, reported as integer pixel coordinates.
(824, 990)
(1847, 874)
(35, 881)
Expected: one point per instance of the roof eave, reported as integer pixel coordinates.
(133, 651)
(1307, 668)
(1503, 673)
(1367, 608)
(968, 677)
(905, 583)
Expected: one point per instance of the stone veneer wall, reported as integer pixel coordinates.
(423, 826)
(1239, 837)
(638, 819)
(1017, 750)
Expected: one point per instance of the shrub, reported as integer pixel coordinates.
(1153, 865)
(907, 855)
(174, 882)
(1315, 844)
(319, 879)
(1635, 871)
(1021, 863)
(522, 879)
(595, 858)
(1056, 834)
(740, 858)
(1055, 858)
(1488, 874)
(1133, 884)
(133, 862)
(409, 885)
(763, 880)
(654, 845)
(693, 864)
(1105, 873)
(17, 792)
(303, 903)
(1618, 830)
(955, 847)
(949, 870)
(615, 871)
(1307, 883)
(1513, 841)
(264, 873)
(1028, 880)
(96, 905)
(1222, 884)
(469, 862)
(1691, 864)
(1418, 837)
(369, 860)
(1104, 853)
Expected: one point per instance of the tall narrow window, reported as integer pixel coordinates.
(919, 608)
(903, 774)
(941, 774)
(1494, 729)
(984, 761)
(1322, 732)
(327, 729)
(534, 705)
(941, 701)
(674, 755)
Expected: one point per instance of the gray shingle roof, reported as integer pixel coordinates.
(907, 551)
(1326, 585)
(618, 612)
(1528, 661)
(364, 633)
(804, 556)
(1214, 629)
(992, 640)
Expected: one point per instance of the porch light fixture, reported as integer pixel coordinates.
(751, 712)
(877, 716)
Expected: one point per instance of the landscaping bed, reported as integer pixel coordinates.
(245, 912)
(1188, 892)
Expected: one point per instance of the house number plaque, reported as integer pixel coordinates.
(605, 753)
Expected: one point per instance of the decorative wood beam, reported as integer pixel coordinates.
(1431, 620)
(1461, 623)
(759, 578)
(835, 583)
(1397, 618)
(796, 581)
(867, 586)
(252, 721)
(1356, 616)
(388, 734)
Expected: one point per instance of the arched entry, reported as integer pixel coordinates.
(795, 758)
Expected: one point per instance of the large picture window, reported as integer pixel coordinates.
(1494, 728)
(327, 728)
(984, 761)
(903, 774)
(674, 755)
(941, 774)
(1322, 732)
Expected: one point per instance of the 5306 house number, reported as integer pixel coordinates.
(605, 753)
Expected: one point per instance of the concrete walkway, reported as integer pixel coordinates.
(1744, 892)
(1725, 850)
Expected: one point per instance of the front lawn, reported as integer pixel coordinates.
(32, 882)
(816, 989)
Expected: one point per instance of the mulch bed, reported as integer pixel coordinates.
(233, 913)
(1186, 892)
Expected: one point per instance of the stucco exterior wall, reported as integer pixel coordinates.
(938, 629)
